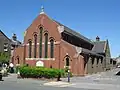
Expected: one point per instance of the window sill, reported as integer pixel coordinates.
(67, 67)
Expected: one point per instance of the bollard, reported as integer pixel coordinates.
(18, 74)
(0, 76)
(68, 75)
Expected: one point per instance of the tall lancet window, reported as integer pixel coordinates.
(51, 48)
(46, 45)
(35, 45)
(30, 48)
(40, 44)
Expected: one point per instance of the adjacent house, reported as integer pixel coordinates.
(4, 43)
(14, 44)
(51, 44)
(7, 46)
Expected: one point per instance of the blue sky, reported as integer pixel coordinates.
(88, 17)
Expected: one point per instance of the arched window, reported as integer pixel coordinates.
(110, 61)
(46, 44)
(35, 45)
(40, 44)
(51, 48)
(67, 61)
(30, 48)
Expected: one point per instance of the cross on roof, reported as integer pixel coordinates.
(42, 10)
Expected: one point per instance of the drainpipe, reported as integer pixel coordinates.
(24, 54)
(59, 53)
(58, 78)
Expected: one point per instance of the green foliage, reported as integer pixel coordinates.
(66, 72)
(39, 72)
(4, 57)
(17, 68)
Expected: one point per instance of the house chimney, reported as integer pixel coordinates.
(97, 38)
(14, 37)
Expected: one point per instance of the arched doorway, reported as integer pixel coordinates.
(67, 61)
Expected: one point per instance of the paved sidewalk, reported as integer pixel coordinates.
(58, 84)
(12, 83)
(101, 81)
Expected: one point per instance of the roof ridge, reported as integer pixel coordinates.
(100, 41)
(75, 32)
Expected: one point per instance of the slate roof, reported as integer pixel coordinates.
(86, 51)
(5, 35)
(99, 46)
(16, 42)
(72, 32)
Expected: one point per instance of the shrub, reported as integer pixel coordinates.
(39, 72)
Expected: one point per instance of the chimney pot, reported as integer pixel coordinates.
(97, 38)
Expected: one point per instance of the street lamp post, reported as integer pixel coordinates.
(68, 75)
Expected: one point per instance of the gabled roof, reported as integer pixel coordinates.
(4, 35)
(72, 32)
(99, 46)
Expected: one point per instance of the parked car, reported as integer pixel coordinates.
(118, 66)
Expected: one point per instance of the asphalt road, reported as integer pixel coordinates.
(101, 81)
(12, 83)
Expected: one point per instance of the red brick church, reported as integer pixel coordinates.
(51, 44)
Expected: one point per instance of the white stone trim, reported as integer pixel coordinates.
(26, 44)
(49, 43)
(57, 42)
(40, 59)
(67, 66)
(78, 49)
(60, 29)
(42, 13)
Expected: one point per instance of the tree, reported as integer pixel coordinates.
(4, 57)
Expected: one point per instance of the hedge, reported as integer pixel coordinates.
(40, 72)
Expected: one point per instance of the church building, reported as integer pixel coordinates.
(51, 44)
